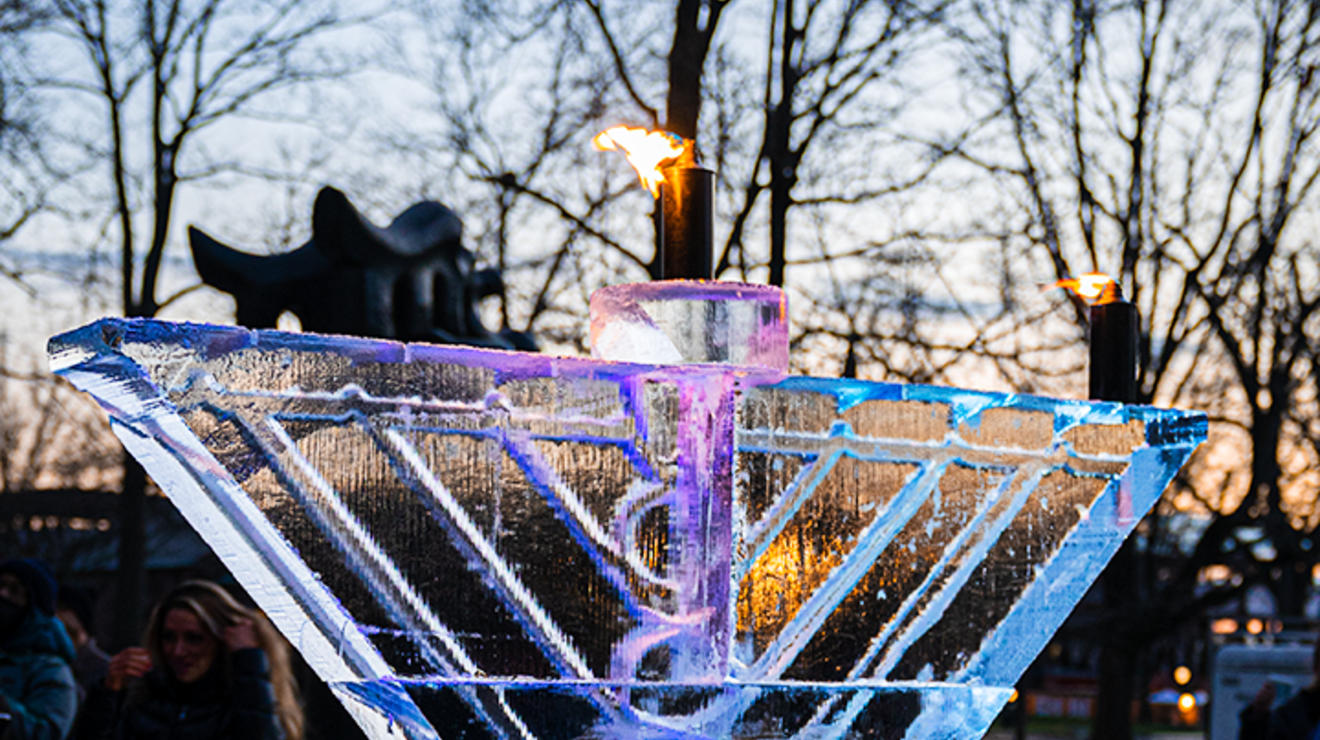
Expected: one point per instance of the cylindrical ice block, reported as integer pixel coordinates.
(691, 321)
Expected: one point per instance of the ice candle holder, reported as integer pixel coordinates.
(673, 538)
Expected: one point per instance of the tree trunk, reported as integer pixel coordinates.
(693, 30)
(130, 581)
(779, 146)
(1118, 651)
(1113, 709)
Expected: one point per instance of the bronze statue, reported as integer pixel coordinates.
(412, 280)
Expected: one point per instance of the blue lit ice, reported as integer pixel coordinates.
(516, 545)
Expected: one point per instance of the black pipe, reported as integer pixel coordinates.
(1114, 328)
(687, 223)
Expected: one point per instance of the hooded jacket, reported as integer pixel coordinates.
(36, 679)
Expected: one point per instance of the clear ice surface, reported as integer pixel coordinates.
(477, 543)
(673, 321)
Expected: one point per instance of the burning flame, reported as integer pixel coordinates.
(645, 150)
(1095, 288)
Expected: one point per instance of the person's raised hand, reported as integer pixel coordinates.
(128, 663)
(241, 634)
(1264, 697)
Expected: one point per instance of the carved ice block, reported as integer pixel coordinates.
(476, 543)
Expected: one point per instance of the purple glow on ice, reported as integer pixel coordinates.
(461, 539)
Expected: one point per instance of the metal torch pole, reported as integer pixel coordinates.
(687, 223)
(1114, 332)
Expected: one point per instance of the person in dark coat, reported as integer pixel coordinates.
(1298, 718)
(73, 607)
(210, 670)
(37, 690)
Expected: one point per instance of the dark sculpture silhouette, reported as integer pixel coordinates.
(411, 281)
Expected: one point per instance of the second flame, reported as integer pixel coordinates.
(645, 150)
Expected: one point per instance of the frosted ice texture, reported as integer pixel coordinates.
(473, 543)
(673, 321)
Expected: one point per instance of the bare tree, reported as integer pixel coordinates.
(21, 191)
(786, 83)
(51, 437)
(820, 62)
(144, 91)
(1172, 146)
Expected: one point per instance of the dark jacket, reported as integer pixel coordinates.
(89, 667)
(159, 708)
(1296, 719)
(36, 679)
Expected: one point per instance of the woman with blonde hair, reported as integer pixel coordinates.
(210, 669)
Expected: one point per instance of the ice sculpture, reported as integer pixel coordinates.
(478, 543)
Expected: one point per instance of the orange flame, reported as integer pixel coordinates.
(645, 150)
(1095, 288)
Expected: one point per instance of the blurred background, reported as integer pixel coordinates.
(913, 174)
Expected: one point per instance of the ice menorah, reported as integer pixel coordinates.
(671, 539)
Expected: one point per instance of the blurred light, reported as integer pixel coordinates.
(288, 321)
(1013, 696)
(1216, 574)
(1255, 626)
(1224, 626)
(1186, 702)
(1276, 625)
(1181, 675)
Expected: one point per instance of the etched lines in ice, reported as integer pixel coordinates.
(780, 510)
(642, 521)
(760, 477)
(1033, 450)
(913, 565)
(543, 629)
(371, 564)
(927, 607)
(1006, 570)
(789, 640)
(379, 569)
(365, 555)
(206, 494)
(564, 564)
(544, 585)
(914, 616)
(331, 421)
(604, 549)
(482, 554)
(288, 543)
(539, 474)
(484, 516)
